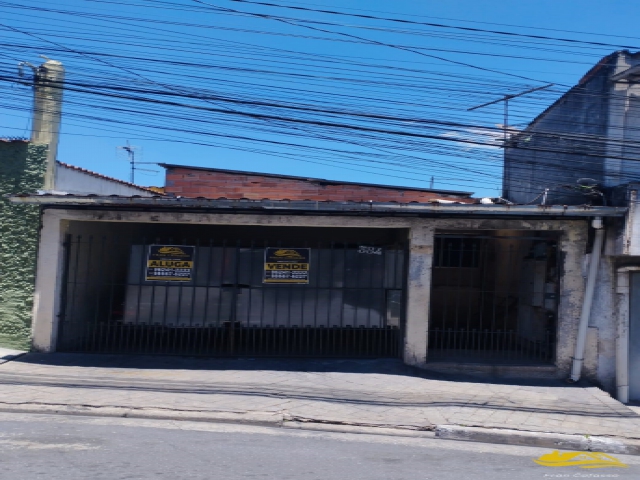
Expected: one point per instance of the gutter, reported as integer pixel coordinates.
(309, 206)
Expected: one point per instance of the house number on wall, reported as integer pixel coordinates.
(370, 250)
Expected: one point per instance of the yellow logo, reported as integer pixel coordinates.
(287, 254)
(579, 459)
(171, 251)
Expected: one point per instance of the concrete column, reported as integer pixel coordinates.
(48, 289)
(572, 286)
(418, 294)
(47, 113)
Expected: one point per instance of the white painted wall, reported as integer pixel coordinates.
(77, 182)
(572, 244)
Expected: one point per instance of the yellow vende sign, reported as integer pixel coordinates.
(170, 263)
(286, 265)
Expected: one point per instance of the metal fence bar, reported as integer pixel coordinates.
(110, 306)
(484, 307)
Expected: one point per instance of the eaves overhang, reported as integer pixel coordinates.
(312, 207)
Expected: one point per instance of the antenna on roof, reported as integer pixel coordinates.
(132, 152)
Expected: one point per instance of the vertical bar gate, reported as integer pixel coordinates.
(494, 298)
(352, 305)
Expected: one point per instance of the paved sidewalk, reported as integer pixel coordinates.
(378, 393)
(8, 354)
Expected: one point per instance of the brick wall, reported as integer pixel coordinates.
(188, 182)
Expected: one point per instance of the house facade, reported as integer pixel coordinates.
(442, 283)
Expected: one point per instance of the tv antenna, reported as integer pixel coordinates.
(505, 99)
(133, 153)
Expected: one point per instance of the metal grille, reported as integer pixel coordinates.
(493, 299)
(352, 305)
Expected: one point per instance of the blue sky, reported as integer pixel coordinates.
(289, 60)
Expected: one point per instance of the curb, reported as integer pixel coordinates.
(556, 441)
(248, 418)
(370, 430)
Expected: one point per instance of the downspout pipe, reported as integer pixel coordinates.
(578, 356)
(623, 289)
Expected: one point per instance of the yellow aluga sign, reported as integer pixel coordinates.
(170, 263)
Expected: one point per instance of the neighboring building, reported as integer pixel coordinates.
(593, 131)
(31, 165)
(79, 181)
(22, 168)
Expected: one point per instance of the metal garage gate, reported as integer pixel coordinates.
(213, 300)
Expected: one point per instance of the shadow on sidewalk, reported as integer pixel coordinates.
(384, 366)
(328, 389)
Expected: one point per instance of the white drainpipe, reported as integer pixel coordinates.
(578, 356)
(623, 289)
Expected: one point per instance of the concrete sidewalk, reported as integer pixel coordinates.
(368, 393)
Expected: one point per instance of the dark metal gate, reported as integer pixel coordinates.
(352, 305)
(494, 298)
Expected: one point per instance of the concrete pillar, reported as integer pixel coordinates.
(48, 289)
(47, 112)
(418, 294)
(572, 286)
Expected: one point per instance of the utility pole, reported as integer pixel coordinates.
(505, 99)
(48, 84)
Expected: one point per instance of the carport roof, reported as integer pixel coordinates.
(226, 205)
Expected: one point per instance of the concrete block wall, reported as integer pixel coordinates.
(188, 182)
(551, 151)
(22, 169)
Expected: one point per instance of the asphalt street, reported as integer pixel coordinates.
(69, 448)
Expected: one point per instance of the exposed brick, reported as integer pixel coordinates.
(256, 187)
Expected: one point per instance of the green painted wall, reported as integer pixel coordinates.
(22, 168)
